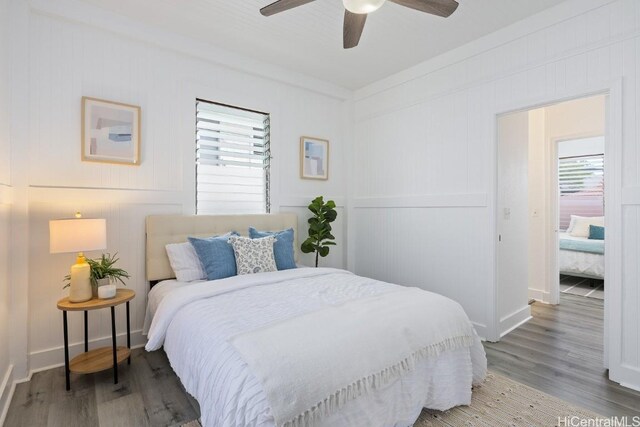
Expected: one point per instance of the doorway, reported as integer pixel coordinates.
(550, 177)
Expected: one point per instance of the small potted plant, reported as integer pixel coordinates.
(104, 275)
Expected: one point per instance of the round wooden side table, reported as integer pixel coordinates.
(102, 358)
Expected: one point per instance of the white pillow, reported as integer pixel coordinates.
(572, 223)
(579, 226)
(253, 255)
(185, 262)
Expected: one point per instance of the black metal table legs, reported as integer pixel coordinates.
(66, 350)
(115, 348)
(87, 359)
(128, 334)
(86, 331)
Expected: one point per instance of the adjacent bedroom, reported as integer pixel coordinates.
(305, 213)
(581, 181)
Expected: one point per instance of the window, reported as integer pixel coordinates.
(232, 160)
(581, 181)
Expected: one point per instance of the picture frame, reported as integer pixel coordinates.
(314, 158)
(110, 132)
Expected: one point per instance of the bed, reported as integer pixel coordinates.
(581, 257)
(227, 339)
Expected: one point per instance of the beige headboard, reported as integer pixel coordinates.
(165, 229)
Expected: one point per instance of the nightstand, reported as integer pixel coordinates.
(102, 358)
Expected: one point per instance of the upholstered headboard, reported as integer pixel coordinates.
(165, 229)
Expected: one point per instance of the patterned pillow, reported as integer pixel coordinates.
(253, 255)
(282, 249)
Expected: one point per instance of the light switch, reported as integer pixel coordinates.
(507, 213)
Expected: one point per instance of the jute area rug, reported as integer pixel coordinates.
(501, 402)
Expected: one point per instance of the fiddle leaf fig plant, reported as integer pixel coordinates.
(320, 238)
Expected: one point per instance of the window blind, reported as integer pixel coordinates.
(232, 160)
(581, 182)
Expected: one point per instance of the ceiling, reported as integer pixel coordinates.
(308, 39)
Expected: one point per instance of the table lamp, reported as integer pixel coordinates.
(78, 235)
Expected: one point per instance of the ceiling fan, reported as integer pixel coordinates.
(355, 14)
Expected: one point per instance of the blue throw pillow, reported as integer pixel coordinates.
(596, 232)
(216, 255)
(282, 248)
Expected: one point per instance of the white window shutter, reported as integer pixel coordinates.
(581, 182)
(232, 160)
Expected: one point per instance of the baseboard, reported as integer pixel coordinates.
(627, 376)
(515, 319)
(481, 330)
(54, 357)
(539, 295)
(6, 393)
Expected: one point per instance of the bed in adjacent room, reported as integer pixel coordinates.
(582, 248)
(304, 346)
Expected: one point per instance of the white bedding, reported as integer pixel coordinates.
(580, 263)
(196, 340)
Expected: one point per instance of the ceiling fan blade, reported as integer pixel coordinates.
(353, 26)
(435, 7)
(281, 6)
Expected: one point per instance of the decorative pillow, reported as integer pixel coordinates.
(581, 225)
(574, 218)
(596, 232)
(282, 248)
(185, 262)
(253, 255)
(216, 255)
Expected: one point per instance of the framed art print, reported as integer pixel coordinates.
(110, 132)
(314, 158)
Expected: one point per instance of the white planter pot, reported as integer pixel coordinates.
(106, 291)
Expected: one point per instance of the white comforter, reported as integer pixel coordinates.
(196, 322)
(580, 263)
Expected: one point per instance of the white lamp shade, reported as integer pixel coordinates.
(362, 6)
(77, 235)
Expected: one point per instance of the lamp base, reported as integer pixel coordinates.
(80, 292)
(80, 289)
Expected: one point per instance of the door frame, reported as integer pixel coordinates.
(613, 219)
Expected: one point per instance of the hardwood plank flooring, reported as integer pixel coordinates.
(560, 352)
(148, 394)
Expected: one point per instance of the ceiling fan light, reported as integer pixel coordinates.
(362, 6)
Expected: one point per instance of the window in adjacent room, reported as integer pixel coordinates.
(581, 179)
(232, 160)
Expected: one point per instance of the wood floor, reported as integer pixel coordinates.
(558, 352)
(149, 394)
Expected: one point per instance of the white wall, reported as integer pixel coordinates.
(581, 147)
(571, 119)
(424, 189)
(512, 220)
(5, 206)
(67, 58)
